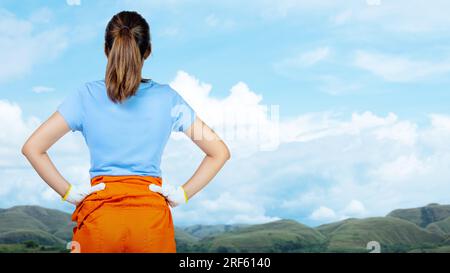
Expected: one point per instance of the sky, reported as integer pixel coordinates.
(331, 109)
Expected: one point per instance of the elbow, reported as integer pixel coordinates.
(226, 155)
(25, 150)
(222, 154)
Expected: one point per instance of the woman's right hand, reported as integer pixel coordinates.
(75, 195)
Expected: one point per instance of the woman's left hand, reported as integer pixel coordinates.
(175, 195)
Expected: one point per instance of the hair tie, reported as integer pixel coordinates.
(125, 28)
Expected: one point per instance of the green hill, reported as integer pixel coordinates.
(38, 236)
(202, 231)
(439, 249)
(440, 227)
(187, 238)
(393, 234)
(32, 223)
(426, 229)
(185, 241)
(278, 236)
(327, 229)
(423, 216)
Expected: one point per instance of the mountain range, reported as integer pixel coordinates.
(422, 229)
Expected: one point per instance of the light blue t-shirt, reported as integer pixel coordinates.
(127, 138)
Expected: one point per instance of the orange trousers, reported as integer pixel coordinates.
(124, 217)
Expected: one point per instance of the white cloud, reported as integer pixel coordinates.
(334, 85)
(440, 122)
(20, 183)
(303, 60)
(42, 89)
(284, 8)
(240, 117)
(437, 135)
(323, 214)
(315, 56)
(404, 132)
(399, 69)
(169, 31)
(73, 2)
(42, 15)
(342, 17)
(227, 208)
(401, 168)
(398, 16)
(13, 129)
(213, 21)
(22, 47)
(313, 126)
(401, 15)
(355, 208)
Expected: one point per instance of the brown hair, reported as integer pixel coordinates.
(127, 45)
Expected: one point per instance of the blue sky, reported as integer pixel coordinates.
(362, 90)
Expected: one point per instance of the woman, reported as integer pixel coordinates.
(126, 121)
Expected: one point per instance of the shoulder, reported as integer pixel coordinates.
(165, 90)
(87, 88)
(93, 85)
(163, 87)
(97, 83)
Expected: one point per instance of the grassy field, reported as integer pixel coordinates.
(22, 248)
(424, 229)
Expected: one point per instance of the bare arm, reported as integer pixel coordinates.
(216, 151)
(36, 147)
(35, 150)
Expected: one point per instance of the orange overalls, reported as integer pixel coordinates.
(124, 217)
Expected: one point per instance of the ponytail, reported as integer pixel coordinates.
(125, 58)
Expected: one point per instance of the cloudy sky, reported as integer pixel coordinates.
(332, 109)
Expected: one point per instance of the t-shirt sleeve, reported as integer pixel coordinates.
(72, 110)
(182, 114)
